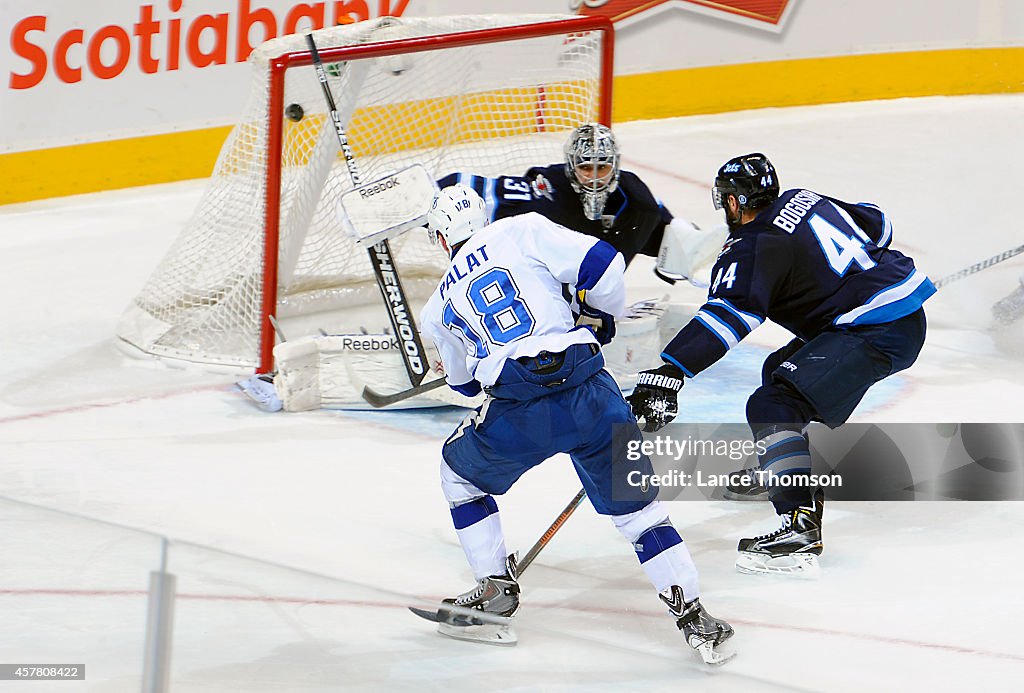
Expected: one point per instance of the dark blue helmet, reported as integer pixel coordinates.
(751, 178)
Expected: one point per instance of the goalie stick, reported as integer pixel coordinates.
(979, 266)
(545, 538)
(381, 259)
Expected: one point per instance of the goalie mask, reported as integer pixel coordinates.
(592, 166)
(456, 214)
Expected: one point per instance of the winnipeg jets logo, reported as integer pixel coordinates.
(542, 188)
(729, 243)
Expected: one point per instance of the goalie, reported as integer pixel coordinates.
(589, 193)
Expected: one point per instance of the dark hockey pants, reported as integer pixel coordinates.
(826, 378)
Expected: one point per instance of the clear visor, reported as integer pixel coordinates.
(717, 197)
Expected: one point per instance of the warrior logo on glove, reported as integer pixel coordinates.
(655, 398)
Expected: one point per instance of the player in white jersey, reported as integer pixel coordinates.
(500, 323)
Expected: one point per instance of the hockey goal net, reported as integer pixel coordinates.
(481, 94)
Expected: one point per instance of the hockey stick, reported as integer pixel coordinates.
(555, 526)
(521, 566)
(979, 266)
(381, 259)
(378, 400)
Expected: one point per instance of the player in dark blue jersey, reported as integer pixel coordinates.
(823, 269)
(591, 194)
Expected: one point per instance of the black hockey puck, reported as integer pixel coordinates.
(294, 112)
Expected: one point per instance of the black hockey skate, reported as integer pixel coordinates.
(497, 595)
(792, 549)
(747, 486)
(703, 632)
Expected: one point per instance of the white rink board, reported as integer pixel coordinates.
(151, 68)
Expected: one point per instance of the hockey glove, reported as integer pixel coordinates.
(655, 400)
(600, 323)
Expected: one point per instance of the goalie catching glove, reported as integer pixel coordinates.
(688, 251)
(655, 400)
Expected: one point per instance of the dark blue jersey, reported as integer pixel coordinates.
(809, 263)
(637, 220)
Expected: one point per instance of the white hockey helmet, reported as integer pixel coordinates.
(456, 214)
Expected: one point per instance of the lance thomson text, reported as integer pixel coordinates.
(679, 479)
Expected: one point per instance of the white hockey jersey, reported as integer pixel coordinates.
(501, 297)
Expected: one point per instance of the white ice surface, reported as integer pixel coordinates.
(913, 596)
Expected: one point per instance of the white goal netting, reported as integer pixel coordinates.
(489, 107)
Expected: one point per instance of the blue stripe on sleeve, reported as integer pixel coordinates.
(750, 320)
(737, 326)
(470, 389)
(666, 357)
(718, 334)
(593, 267)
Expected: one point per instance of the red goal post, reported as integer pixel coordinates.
(487, 94)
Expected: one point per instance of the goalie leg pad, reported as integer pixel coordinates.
(331, 371)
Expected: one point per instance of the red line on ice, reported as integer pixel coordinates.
(395, 605)
(46, 413)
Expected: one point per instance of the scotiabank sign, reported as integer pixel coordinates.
(765, 14)
(164, 36)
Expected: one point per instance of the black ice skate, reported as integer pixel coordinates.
(792, 549)
(497, 595)
(703, 632)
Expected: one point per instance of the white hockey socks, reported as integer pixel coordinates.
(661, 551)
(479, 528)
(476, 519)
